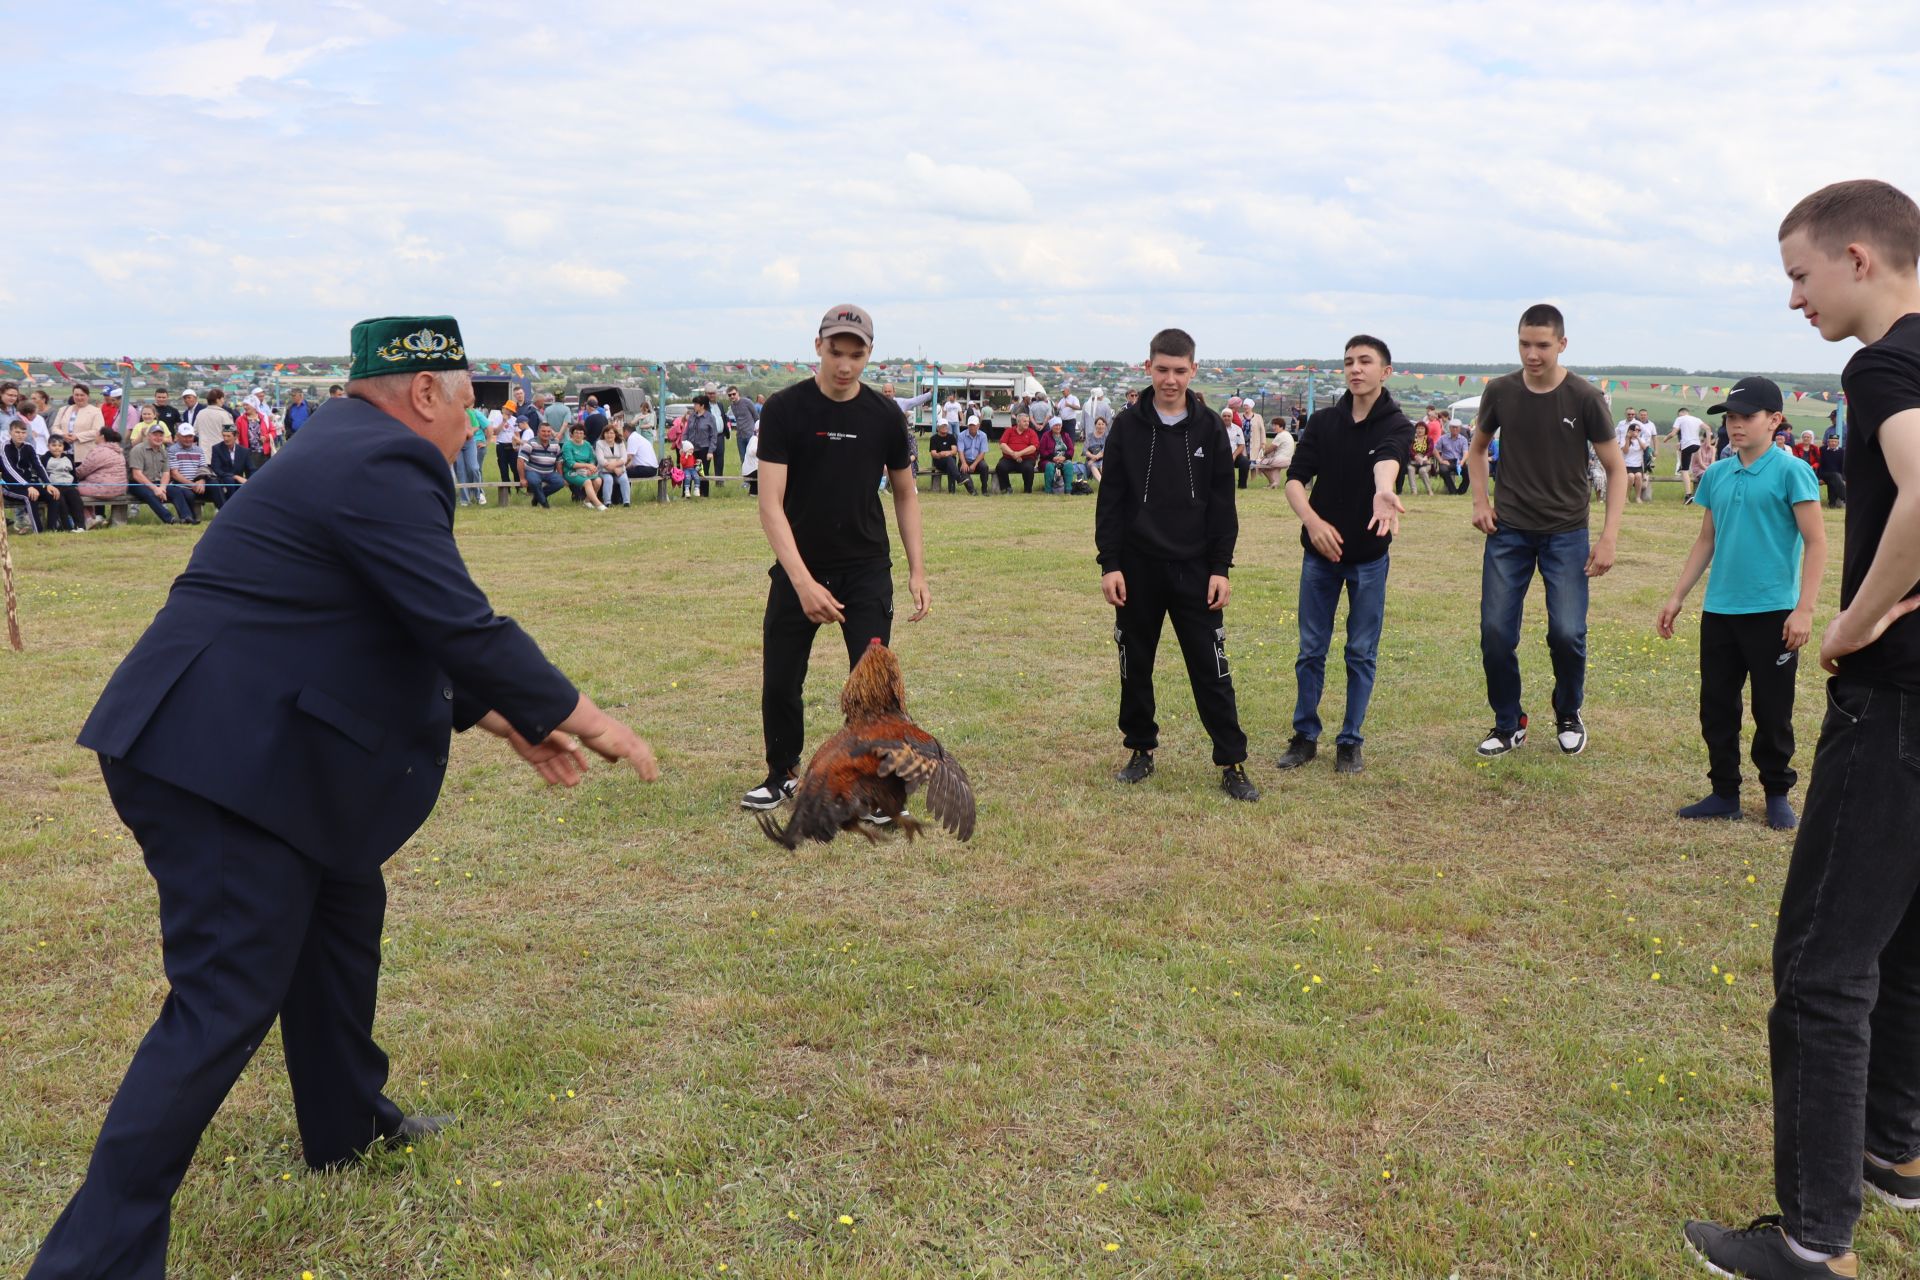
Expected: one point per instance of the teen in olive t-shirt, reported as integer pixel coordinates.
(1543, 486)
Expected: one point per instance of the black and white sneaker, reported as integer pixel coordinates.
(1571, 733)
(1898, 1185)
(877, 819)
(1760, 1252)
(770, 793)
(1497, 743)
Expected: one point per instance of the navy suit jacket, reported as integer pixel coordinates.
(329, 604)
(227, 464)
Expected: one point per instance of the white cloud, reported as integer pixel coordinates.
(219, 69)
(585, 279)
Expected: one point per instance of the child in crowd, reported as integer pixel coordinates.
(1697, 466)
(1766, 542)
(689, 469)
(64, 503)
(1635, 450)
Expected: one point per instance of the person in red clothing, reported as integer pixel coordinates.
(1807, 451)
(1019, 444)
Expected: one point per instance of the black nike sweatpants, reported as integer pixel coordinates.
(1176, 590)
(865, 593)
(1737, 649)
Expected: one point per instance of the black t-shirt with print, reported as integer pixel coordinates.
(1881, 380)
(834, 452)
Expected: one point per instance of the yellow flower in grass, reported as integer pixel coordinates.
(1111, 1246)
(846, 1219)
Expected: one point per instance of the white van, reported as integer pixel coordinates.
(1463, 412)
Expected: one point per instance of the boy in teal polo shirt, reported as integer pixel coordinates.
(1763, 533)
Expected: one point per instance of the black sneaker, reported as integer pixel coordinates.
(1497, 743)
(1780, 814)
(770, 793)
(1712, 808)
(1760, 1252)
(1235, 782)
(1299, 751)
(1571, 733)
(1898, 1186)
(1138, 769)
(1347, 758)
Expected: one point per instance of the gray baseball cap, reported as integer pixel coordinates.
(847, 319)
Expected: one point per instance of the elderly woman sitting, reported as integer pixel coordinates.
(1274, 462)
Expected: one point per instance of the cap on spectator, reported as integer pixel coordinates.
(849, 320)
(406, 344)
(186, 429)
(112, 391)
(191, 392)
(1751, 395)
(159, 428)
(973, 420)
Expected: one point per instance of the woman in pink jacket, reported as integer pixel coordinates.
(102, 472)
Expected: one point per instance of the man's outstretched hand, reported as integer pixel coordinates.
(617, 742)
(561, 757)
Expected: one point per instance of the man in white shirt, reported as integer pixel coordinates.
(1686, 430)
(1620, 427)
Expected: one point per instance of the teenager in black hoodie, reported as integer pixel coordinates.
(1164, 528)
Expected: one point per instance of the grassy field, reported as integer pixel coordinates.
(1445, 1018)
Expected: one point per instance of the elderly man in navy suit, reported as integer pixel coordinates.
(340, 560)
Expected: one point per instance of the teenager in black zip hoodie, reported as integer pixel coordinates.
(1164, 528)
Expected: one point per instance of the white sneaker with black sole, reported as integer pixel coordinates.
(1497, 743)
(768, 794)
(1571, 733)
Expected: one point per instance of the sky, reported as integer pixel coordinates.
(1046, 178)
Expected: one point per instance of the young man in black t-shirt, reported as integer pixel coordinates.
(823, 444)
(1844, 1033)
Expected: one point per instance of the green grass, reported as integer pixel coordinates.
(1402, 1025)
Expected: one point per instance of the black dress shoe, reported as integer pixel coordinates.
(1139, 768)
(1299, 751)
(1346, 758)
(1235, 782)
(412, 1127)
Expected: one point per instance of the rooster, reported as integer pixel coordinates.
(868, 767)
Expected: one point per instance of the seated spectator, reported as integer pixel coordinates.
(1273, 464)
(1449, 458)
(689, 470)
(610, 453)
(229, 466)
(102, 472)
(1702, 459)
(1419, 472)
(1095, 454)
(642, 462)
(1833, 467)
(539, 464)
(1237, 441)
(23, 478)
(68, 510)
(578, 466)
(187, 466)
(1055, 457)
(1807, 451)
(1018, 445)
(943, 455)
(149, 474)
(971, 445)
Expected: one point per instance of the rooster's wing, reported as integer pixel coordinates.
(917, 759)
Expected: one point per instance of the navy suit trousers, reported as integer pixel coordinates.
(250, 930)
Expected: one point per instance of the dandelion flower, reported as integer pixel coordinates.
(846, 1219)
(1111, 1247)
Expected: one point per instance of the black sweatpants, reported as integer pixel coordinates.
(1737, 649)
(1005, 469)
(865, 593)
(1158, 590)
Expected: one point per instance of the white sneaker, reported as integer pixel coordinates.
(767, 796)
(483, 499)
(1571, 733)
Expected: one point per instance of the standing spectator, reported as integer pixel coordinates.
(746, 420)
(1687, 431)
(298, 411)
(580, 468)
(110, 410)
(164, 410)
(1541, 522)
(972, 444)
(149, 474)
(1095, 409)
(102, 472)
(1352, 455)
(1634, 453)
(539, 465)
(943, 457)
(1237, 440)
(336, 392)
(229, 465)
(610, 454)
(254, 430)
(509, 436)
(594, 419)
(23, 477)
(10, 399)
(186, 468)
(750, 465)
(557, 415)
(189, 406)
(703, 433)
(1018, 446)
(1039, 408)
(466, 461)
(212, 418)
(78, 420)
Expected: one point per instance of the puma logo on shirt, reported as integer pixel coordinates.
(1201, 452)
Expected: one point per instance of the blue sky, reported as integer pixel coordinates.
(1050, 177)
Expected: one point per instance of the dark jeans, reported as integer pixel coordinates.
(1506, 573)
(1836, 488)
(979, 472)
(220, 490)
(948, 467)
(1244, 465)
(1845, 1027)
(66, 509)
(1176, 590)
(542, 483)
(507, 458)
(1321, 581)
(1005, 469)
(1737, 649)
(714, 462)
(249, 930)
(865, 593)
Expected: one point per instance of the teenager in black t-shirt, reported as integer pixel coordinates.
(1845, 1029)
(824, 443)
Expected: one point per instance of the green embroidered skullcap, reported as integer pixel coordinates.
(406, 344)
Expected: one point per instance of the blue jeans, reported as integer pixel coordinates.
(466, 470)
(542, 483)
(1320, 582)
(178, 494)
(1505, 575)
